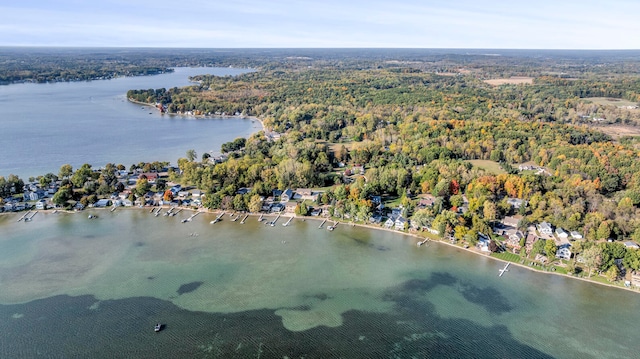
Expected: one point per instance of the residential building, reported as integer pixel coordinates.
(545, 228)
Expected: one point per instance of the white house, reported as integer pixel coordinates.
(561, 233)
(41, 204)
(399, 223)
(576, 235)
(631, 244)
(563, 253)
(545, 228)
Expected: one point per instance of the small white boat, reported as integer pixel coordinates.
(158, 327)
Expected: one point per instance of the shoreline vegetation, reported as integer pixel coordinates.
(418, 138)
(430, 239)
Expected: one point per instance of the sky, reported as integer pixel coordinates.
(497, 24)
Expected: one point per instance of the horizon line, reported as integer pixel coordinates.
(311, 48)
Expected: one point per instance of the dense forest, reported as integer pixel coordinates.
(413, 120)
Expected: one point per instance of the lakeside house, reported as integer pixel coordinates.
(564, 252)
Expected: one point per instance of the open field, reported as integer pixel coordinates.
(516, 80)
(489, 166)
(608, 101)
(618, 131)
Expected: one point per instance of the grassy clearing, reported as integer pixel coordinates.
(608, 101)
(489, 166)
(516, 80)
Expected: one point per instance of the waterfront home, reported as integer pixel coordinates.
(513, 238)
(576, 235)
(290, 207)
(277, 207)
(375, 218)
(390, 222)
(400, 222)
(102, 203)
(41, 204)
(545, 228)
(483, 243)
(564, 252)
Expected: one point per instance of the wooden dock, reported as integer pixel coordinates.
(218, 219)
(335, 224)
(244, 219)
(287, 222)
(27, 218)
(273, 223)
(261, 218)
(24, 216)
(420, 243)
(190, 218)
(501, 271)
(322, 224)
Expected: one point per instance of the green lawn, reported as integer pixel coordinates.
(489, 166)
(506, 256)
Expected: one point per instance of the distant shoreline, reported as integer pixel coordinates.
(199, 116)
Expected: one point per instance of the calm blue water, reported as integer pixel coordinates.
(43, 126)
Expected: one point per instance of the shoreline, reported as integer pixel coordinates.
(200, 116)
(352, 224)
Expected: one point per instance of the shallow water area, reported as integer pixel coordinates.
(353, 292)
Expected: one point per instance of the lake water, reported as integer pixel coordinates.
(43, 126)
(75, 287)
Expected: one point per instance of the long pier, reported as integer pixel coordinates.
(273, 223)
(27, 219)
(287, 222)
(244, 219)
(176, 212)
(218, 218)
(24, 216)
(504, 269)
(190, 218)
(322, 224)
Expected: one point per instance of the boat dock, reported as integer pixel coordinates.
(27, 219)
(287, 222)
(158, 212)
(504, 269)
(218, 219)
(24, 216)
(168, 213)
(322, 224)
(273, 223)
(113, 209)
(244, 219)
(190, 218)
(235, 218)
(261, 217)
(335, 224)
(420, 243)
(176, 212)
